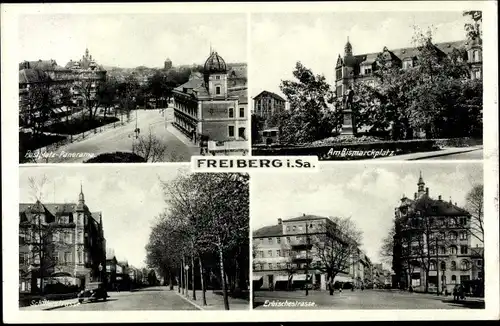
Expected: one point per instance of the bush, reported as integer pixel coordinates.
(78, 126)
(459, 142)
(334, 151)
(117, 157)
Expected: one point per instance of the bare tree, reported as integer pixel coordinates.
(150, 148)
(475, 206)
(336, 245)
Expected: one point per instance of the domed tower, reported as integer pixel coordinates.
(215, 75)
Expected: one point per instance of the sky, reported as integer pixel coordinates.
(366, 193)
(127, 41)
(130, 198)
(278, 41)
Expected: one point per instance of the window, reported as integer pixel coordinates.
(463, 250)
(453, 279)
(407, 64)
(230, 130)
(442, 250)
(443, 266)
(278, 240)
(464, 265)
(55, 237)
(217, 90)
(452, 236)
(80, 236)
(80, 257)
(479, 263)
(231, 112)
(338, 74)
(288, 265)
(22, 258)
(463, 235)
(278, 265)
(453, 250)
(269, 253)
(217, 77)
(453, 266)
(476, 56)
(242, 112)
(311, 226)
(288, 240)
(68, 238)
(278, 253)
(464, 278)
(432, 251)
(270, 240)
(300, 227)
(67, 257)
(288, 228)
(432, 265)
(294, 228)
(463, 221)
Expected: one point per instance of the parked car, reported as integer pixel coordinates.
(93, 292)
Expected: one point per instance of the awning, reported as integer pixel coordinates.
(256, 278)
(281, 278)
(300, 277)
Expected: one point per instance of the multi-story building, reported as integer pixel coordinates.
(266, 104)
(351, 68)
(285, 251)
(72, 85)
(432, 243)
(206, 108)
(60, 240)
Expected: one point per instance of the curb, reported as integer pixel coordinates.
(444, 154)
(188, 300)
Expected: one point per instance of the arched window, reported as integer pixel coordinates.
(453, 265)
(432, 265)
(464, 265)
(453, 279)
(452, 235)
(443, 266)
(453, 250)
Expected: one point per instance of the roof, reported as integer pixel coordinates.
(237, 70)
(194, 86)
(271, 94)
(409, 52)
(28, 76)
(53, 208)
(269, 231)
(40, 64)
(96, 216)
(306, 218)
(215, 63)
(242, 94)
(433, 207)
(477, 251)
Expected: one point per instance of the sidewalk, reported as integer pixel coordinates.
(214, 301)
(182, 137)
(424, 155)
(429, 295)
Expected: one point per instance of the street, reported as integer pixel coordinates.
(151, 298)
(367, 299)
(121, 138)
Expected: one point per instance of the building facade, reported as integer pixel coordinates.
(60, 241)
(432, 243)
(358, 68)
(266, 104)
(284, 257)
(206, 108)
(71, 86)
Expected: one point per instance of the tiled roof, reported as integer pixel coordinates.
(273, 95)
(52, 208)
(40, 64)
(27, 76)
(305, 218)
(269, 231)
(195, 85)
(242, 94)
(433, 207)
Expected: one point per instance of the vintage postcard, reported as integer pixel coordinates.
(257, 162)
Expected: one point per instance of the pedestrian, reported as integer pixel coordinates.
(330, 286)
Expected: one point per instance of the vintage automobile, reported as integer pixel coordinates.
(93, 292)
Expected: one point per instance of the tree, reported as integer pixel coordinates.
(475, 206)
(150, 148)
(474, 30)
(37, 104)
(257, 125)
(308, 97)
(107, 94)
(336, 246)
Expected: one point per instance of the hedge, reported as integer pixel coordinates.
(117, 157)
(349, 151)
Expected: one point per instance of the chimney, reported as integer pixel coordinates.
(280, 221)
(415, 196)
(427, 191)
(439, 198)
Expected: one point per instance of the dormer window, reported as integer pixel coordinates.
(407, 63)
(217, 77)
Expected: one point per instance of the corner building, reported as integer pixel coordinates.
(204, 107)
(60, 241)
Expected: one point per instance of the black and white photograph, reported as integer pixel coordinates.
(368, 85)
(140, 238)
(379, 236)
(132, 88)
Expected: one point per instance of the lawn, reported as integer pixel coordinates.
(78, 126)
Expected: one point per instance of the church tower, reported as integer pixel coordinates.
(421, 186)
